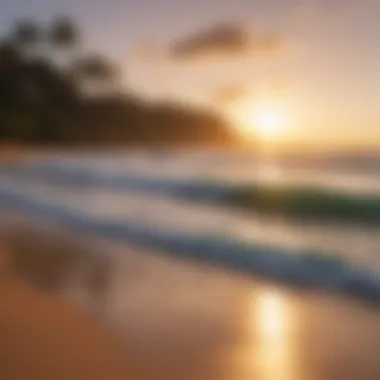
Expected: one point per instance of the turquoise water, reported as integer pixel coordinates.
(174, 202)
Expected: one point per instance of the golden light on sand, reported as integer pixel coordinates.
(272, 318)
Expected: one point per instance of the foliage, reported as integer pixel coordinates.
(63, 33)
(53, 91)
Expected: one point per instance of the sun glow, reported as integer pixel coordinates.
(273, 321)
(269, 123)
(266, 122)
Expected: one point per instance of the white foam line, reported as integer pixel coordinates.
(303, 270)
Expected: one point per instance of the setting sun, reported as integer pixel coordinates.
(268, 123)
(262, 121)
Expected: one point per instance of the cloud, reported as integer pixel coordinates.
(230, 93)
(224, 40)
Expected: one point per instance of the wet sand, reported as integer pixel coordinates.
(180, 319)
(43, 337)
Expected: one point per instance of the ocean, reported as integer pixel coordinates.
(179, 203)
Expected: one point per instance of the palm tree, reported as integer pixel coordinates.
(63, 33)
(95, 73)
(26, 35)
(64, 38)
(92, 72)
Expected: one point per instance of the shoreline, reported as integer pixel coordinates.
(177, 317)
(204, 323)
(310, 270)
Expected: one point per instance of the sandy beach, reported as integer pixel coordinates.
(189, 190)
(179, 319)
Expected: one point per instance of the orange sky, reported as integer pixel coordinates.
(326, 73)
(321, 58)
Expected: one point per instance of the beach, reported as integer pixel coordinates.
(190, 321)
(189, 190)
(171, 287)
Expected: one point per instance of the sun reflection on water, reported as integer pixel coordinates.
(273, 318)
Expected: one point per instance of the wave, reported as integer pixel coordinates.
(313, 270)
(84, 176)
(288, 200)
(307, 203)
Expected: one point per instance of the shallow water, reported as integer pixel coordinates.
(234, 168)
(358, 244)
(155, 207)
(196, 322)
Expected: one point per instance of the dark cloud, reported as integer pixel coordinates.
(223, 41)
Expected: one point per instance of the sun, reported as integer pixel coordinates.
(266, 122)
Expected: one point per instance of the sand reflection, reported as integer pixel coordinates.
(273, 318)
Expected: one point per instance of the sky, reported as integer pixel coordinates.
(319, 59)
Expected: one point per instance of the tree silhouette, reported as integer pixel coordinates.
(95, 73)
(9, 56)
(71, 97)
(26, 34)
(63, 33)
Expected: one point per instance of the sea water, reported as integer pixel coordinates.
(171, 201)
